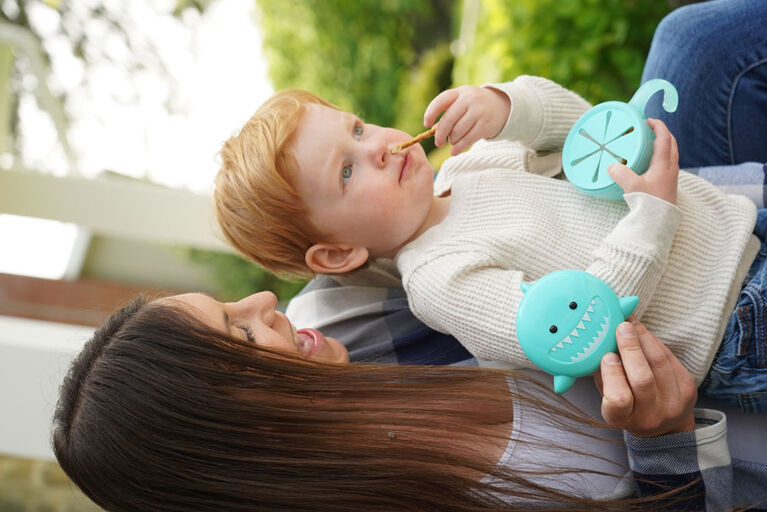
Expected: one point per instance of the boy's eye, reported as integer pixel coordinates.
(357, 131)
(346, 174)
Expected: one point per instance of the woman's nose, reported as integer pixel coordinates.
(261, 304)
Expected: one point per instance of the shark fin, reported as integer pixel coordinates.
(562, 383)
(628, 305)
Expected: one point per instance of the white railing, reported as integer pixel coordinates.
(34, 357)
(115, 206)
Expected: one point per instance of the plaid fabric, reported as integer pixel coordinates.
(701, 460)
(374, 323)
(748, 179)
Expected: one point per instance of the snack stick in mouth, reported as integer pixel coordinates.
(418, 138)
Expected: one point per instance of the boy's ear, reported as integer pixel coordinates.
(335, 259)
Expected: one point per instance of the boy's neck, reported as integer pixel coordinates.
(440, 207)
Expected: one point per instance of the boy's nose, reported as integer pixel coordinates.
(378, 151)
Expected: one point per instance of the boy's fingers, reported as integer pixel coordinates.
(674, 151)
(440, 102)
(467, 140)
(448, 121)
(461, 129)
(665, 145)
(617, 398)
(662, 147)
(623, 176)
(657, 125)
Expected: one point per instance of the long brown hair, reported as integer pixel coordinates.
(161, 412)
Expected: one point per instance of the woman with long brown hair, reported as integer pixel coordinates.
(185, 403)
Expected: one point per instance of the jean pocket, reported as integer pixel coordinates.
(751, 315)
(753, 402)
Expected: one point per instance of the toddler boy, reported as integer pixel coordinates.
(308, 188)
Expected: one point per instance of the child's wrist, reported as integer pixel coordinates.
(501, 108)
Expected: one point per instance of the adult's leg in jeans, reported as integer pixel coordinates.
(715, 53)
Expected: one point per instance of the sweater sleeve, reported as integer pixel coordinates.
(632, 258)
(542, 112)
(699, 459)
(467, 294)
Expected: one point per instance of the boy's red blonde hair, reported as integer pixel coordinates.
(257, 205)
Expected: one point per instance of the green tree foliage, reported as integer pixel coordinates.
(238, 278)
(430, 76)
(594, 47)
(354, 53)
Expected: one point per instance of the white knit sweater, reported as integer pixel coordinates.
(511, 221)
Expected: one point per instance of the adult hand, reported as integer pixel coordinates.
(661, 177)
(646, 390)
(471, 113)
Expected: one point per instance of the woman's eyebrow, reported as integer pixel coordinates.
(226, 323)
(226, 315)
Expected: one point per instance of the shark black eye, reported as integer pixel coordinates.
(553, 329)
(573, 305)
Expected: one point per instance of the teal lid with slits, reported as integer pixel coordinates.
(613, 132)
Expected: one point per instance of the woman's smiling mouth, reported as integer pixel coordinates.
(309, 341)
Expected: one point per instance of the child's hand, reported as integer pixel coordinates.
(661, 177)
(471, 113)
(646, 390)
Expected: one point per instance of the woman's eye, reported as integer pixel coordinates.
(346, 174)
(248, 333)
(357, 131)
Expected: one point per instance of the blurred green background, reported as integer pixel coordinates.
(386, 59)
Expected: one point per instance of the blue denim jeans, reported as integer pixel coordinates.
(738, 376)
(715, 53)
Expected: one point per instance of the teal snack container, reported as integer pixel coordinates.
(566, 322)
(613, 132)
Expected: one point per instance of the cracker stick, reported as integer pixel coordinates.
(418, 138)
